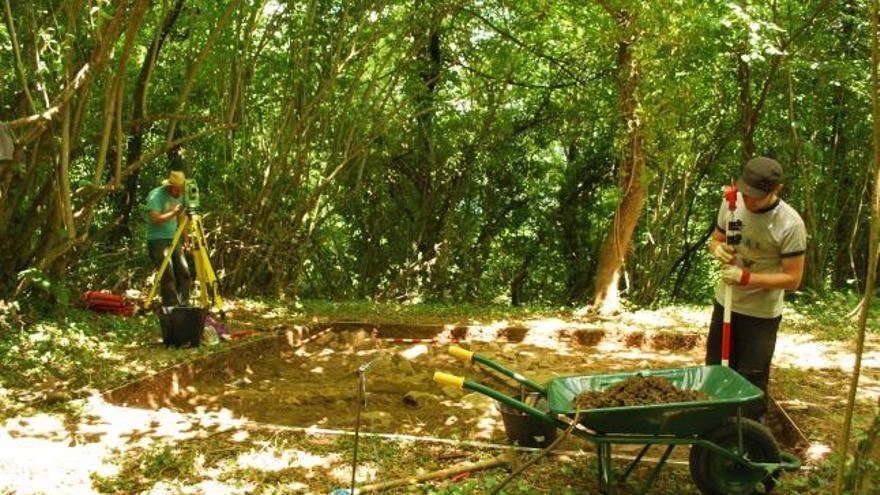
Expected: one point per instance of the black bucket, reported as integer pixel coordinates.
(182, 325)
(525, 430)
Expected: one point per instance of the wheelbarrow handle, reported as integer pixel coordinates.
(461, 354)
(475, 357)
(448, 379)
(789, 462)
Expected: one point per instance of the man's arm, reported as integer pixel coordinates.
(158, 218)
(789, 278)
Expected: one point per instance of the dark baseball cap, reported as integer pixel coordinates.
(759, 177)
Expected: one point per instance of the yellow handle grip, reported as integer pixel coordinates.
(448, 379)
(461, 353)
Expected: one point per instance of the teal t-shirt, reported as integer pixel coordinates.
(161, 200)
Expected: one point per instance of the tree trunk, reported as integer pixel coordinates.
(873, 241)
(843, 186)
(814, 265)
(748, 118)
(618, 239)
(867, 462)
(128, 197)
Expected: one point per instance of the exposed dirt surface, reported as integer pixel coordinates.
(638, 390)
(217, 423)
(310, 378)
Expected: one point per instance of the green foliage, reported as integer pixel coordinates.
(485, 484)
(55, 359)
(410, 152)
(43, 293)
(821, 481)
(157, 463)
(827, 315)
(9, 315)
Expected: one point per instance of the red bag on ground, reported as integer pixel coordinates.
(93, 296)
(107, 302)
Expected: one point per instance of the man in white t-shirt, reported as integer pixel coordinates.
(768, 260)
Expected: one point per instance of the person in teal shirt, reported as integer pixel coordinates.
(163, 208)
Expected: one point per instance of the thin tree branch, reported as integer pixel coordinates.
(18, 64)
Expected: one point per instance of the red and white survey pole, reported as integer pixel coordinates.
(732, 237)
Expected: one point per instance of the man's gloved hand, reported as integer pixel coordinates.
(724, 253)
(734, 275)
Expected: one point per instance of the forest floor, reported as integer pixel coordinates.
(275, 413)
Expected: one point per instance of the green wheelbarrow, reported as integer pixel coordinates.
(730, 454)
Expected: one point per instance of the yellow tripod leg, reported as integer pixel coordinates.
(209, 292)
(211, 278)
(157, 281)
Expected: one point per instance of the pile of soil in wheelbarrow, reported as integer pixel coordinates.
(637, 390)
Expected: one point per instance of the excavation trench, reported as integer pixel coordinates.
(307, 376)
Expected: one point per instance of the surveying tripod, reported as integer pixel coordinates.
(209, 290)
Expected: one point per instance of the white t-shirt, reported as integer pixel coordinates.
(768, 236)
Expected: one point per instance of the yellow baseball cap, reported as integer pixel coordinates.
(175, 178)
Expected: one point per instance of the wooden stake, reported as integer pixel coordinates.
(433, 475)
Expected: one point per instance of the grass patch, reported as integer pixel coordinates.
(826, 318)
(49, 362)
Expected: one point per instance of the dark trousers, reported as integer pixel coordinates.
(752, 341)
(175, 281)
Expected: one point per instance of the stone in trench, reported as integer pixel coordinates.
(356, 339)
(324, 339)
(416, 399)
(57, 397)
(404, 366)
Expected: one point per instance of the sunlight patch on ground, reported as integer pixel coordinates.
(649, 318)
(610, 346)
(276, 312)
(366, 473)
(486, 333)
(487, 421)
(38, 465)
(547, 325)
(45, 454)
(869, 389)
(544, 333)
(209, 486)
(266, 460)
(673, 316)
(802, 351)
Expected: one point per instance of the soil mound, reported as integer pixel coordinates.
(637, 390)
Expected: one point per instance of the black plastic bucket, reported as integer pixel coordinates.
(182, 325)
(525, 430)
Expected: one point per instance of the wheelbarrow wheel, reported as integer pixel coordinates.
(715, 474)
